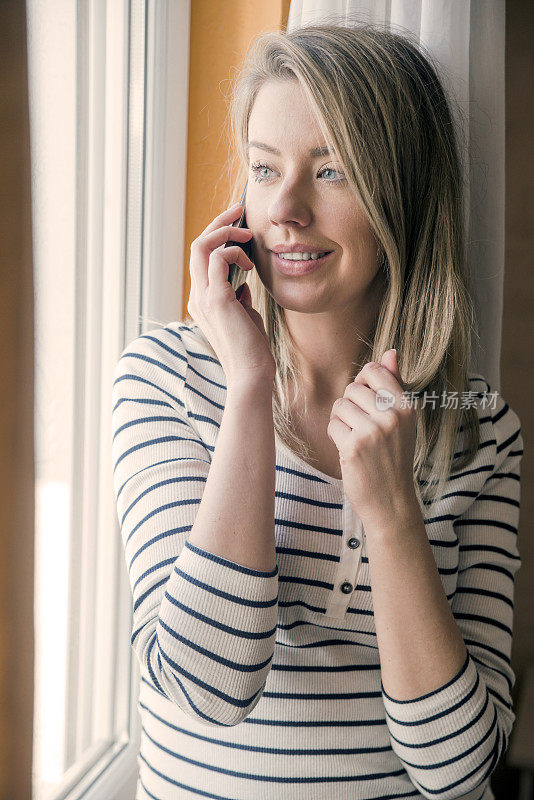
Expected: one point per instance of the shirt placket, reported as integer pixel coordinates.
(348, 568)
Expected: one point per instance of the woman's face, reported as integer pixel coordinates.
(296, 197)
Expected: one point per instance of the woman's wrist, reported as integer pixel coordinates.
(251, 386)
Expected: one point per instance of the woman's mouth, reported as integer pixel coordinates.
(298, 267)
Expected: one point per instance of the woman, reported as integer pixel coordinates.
(322, 572)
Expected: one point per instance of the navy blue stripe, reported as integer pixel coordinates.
(435, 691)
(312, 501)
(298, 779)
(233, 701)
(491, 670)
(490, 649)
(300, 622)
(500, 698)
(195, 708)
(151, 542)
(337, 668)
(491, 567)
(306, 526)
(230, 564)
(167, 482)
(484, 593)
(300, 474)
(160, 440)
(139, 379)
(449, 736)
(316, 723)
(457, 475)
(283, 751)
(441, 714)
(488, 548)
(513, 475)
(305, 581)
(159, 510)
(294, 551)
(497, 498)
(140, 780)
(142, 597)
(458, 756)
(395, 796)
(321, 609)
(464, 778)
(243, 634)
(321, 695)
(510, 440)
(149, 664)
(226, 595)
(152, 569)
(504, 410)
(169, 461)
(494, 523)
(214, 656)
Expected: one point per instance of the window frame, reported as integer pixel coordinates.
(132, 76)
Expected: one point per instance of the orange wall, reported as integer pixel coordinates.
(221, 32)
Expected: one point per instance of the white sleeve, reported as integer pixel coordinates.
(451, 739)
(204, 628)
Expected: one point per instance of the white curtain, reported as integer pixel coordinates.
(466, 37)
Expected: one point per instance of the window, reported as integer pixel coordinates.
(108, 116)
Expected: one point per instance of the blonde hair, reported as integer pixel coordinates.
(378, 100)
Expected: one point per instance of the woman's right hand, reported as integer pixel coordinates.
(233, 327)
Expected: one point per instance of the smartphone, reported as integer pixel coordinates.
(236, 275)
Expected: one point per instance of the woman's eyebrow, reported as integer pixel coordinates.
(315, 152)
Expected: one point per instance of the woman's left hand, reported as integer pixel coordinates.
(375, 433)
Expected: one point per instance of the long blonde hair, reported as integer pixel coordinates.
(378, 100)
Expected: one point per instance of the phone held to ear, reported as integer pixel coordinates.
(236, 275)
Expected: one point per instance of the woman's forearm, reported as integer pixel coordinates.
(235, 519)
(420, 645)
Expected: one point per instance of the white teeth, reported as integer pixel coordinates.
(301, 256)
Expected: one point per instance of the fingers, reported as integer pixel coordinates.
(378, 377)
(204, 247)
(219, 265)
(348, 411)
(219, 237)
(361, 395)
(228, 216)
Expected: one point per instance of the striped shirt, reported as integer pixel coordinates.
(265, 685)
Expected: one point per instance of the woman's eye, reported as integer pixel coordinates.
(256, 170)
(329, 169)
(259, 177)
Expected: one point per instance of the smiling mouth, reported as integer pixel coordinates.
(313, 255)
(295, 267)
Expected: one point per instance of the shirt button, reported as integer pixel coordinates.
(346, 587)
(353, 542)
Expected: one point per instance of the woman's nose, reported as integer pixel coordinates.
(290, 205)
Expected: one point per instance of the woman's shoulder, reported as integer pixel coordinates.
(171, 356)
(500, 426)
(193, 334)
(499, 448)
(179, 340)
